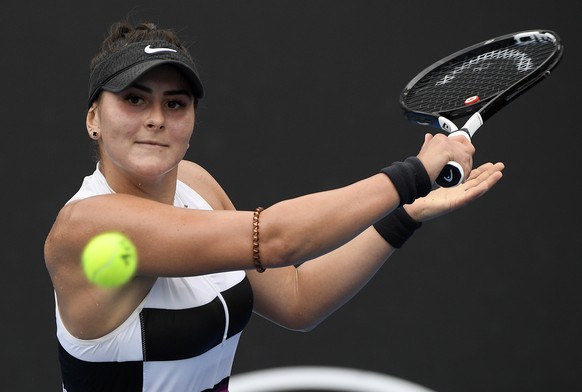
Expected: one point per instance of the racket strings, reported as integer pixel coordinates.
(484, 74)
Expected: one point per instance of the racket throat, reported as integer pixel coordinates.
(471, 126)
(447, 125)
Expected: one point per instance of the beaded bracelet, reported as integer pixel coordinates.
(256, 255)
(397, 227)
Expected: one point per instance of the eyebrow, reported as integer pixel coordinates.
(166, 93)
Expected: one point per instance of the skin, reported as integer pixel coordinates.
(143, 134)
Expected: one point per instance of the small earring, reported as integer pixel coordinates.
(94, 134)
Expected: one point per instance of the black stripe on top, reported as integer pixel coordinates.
(82, 376)
(170, 334)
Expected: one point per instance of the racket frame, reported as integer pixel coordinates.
(480, 111)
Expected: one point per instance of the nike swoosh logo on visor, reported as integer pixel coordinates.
(151, 50)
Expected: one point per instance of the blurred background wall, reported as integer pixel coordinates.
(302, 97)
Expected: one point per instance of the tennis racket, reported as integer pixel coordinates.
(478, 81)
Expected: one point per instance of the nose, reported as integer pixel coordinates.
(155, 119)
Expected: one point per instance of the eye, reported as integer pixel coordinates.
(176, 104)
(134, 99)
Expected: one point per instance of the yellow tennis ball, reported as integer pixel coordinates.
(109, 259)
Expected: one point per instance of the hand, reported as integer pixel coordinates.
(442, 201)
(437, 150)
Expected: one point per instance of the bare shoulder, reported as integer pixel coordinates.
(199, 179)
(75, 223)
(87, 311)
(80, 220)
(64, 233)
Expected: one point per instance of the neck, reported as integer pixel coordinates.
(160, 188)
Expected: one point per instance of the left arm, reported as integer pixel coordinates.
(300, 298)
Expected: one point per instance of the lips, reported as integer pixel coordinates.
(152, 143)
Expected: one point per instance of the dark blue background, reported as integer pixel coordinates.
(302, 97)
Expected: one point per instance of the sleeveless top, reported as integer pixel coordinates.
(182, 336)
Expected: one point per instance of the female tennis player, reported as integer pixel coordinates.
(204, 267)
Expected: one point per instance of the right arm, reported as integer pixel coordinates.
(167, 237)
(291, 231)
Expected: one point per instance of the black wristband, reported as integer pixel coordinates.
(397, 227)
(409, 178)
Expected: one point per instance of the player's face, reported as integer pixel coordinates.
(145, 129)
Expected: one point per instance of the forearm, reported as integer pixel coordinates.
(310, 293)
(329, 218)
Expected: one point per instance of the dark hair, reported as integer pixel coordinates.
(124, 33)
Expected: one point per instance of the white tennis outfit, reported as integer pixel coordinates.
(182, 337)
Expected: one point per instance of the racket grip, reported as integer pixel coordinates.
(453, 174)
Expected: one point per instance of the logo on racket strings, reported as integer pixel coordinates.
(481, 63)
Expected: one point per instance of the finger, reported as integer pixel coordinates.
(486, 168)
(479, 185)
(476, 172)
(427, 138)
